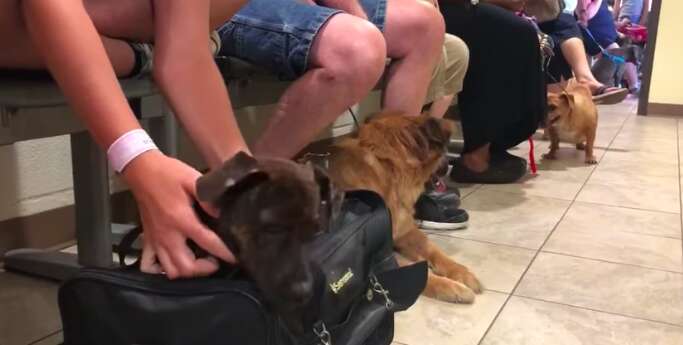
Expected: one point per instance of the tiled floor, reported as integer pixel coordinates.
(576, 255)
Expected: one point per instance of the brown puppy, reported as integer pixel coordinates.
(572, 117)
(394, 155)
(270, 208)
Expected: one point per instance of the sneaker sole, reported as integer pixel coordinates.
(427, 225)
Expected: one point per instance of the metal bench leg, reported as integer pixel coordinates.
(93, 221)
(91, 196)
(164, 131)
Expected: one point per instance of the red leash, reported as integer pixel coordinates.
(532, 158)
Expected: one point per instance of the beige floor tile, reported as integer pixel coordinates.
(432, 322)
(644, 158)
(54, 339)
(615, 288)
(613, 218)
(636, 164)
(561, 178)
(632, 190)
(465, 189)
(28, 309)
(512, 219)
(619, 235)
(529, 322)
(497, 267)
(638, 143)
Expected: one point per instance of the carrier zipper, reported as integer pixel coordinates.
(137, 284)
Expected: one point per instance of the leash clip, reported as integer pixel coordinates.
(323, 334)
(378, 288)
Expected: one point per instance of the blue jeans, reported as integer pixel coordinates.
(279, 34)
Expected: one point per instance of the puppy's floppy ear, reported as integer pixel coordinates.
(214, 184)
(331, 198)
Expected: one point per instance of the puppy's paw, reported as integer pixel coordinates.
(591, 160)
(549, 156)
(580, 146)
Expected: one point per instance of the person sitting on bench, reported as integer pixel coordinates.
(83, 45)
(570, 55)
(335, 52)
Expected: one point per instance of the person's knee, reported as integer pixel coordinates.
(457, 52)
(350, 52)
(421, 24)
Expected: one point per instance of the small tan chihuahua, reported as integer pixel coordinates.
(572, 118)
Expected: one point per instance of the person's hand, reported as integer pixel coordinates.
(582, 17)
(164, 189)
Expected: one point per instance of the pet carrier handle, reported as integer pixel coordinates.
(125, 248)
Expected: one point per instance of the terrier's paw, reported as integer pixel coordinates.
(456, 293)
(550, 156)
(466, 277)
(591, 160)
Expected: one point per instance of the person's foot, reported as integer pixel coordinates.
(437, 208)
(609, 95)
(503, 167)
(603, 94)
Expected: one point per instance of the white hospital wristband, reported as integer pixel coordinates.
(127, 147)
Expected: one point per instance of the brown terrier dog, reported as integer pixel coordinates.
(269, 209)
(572, 117)
(394, 155)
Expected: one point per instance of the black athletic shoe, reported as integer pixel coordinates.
(439, 211)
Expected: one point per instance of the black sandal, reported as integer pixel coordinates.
(503, 168)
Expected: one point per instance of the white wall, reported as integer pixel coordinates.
(35, 176)
(666, 85)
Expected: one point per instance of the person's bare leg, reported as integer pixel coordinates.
(347, 60)
(440, 106)
(414, 32)
(631, 76)
(129, 19)
(23, 54)
(575, 54)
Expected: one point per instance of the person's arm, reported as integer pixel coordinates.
(191, 81)
(644, 14)
(616, 9)
(586, 9)
(163, 187)
(592, 8)
(74, 54)
(352, 7)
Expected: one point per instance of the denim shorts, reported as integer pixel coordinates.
(278, 34)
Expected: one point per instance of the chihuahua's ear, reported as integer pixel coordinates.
(569, 98)
(235, 171)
